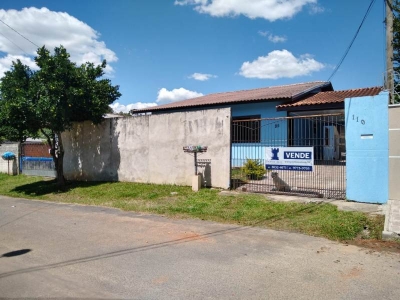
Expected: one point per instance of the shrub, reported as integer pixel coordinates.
(253, 169)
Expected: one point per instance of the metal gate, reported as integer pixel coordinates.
(253, 136)
(36, 161)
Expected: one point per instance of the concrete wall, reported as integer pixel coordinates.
(149, 148)
(392, 221)
(394, 152)
(367, 148)
(13, 166)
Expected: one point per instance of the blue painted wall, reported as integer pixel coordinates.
(367, 148)
(271, 134)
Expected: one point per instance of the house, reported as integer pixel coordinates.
(248, 109)
(303, 114)
(307, 114)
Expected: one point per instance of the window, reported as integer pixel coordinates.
(246, 129)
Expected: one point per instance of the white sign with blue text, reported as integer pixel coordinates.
(289, 158)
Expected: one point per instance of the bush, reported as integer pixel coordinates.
(253, 169)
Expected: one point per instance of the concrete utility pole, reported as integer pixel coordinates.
(389, 82)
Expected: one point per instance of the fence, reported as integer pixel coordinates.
(38, 166)
(254, 138)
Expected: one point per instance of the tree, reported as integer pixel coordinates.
(395, 8)
(51, 99)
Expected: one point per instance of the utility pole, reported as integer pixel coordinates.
(389, 82)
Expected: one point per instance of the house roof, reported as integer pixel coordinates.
(331, 97)
(285, 92)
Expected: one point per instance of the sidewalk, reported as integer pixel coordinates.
(373, 209)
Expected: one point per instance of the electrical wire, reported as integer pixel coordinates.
(18, 33)
(352, 41)
(14, 44)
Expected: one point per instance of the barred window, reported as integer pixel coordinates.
(246, 129)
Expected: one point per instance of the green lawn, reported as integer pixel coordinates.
(177, 201)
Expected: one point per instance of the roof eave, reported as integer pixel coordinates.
(322, 106)
(324, 86)
(327, 85)
(209, 105)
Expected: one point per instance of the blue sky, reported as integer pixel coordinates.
(168, 50)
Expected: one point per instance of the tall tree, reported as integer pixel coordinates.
(51, 99)
(395, 8)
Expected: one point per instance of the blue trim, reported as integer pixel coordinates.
(28, 158)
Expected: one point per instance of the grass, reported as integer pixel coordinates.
(322, 219)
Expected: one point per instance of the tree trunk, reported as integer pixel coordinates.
(57, 152)
(59, 162)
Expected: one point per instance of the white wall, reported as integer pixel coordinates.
(13, 166)
(149, 148)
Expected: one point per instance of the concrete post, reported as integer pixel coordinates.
(196, 183)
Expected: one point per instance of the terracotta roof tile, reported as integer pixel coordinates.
(333, 97)
(288, 92)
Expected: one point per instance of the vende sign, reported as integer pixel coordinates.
(297, 155)
(289, 158)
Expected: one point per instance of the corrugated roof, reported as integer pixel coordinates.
(333, 97)
(289, 92)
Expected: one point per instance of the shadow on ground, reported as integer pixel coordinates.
(41, 188)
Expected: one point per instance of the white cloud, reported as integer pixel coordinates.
(276, 38)
(52, 29)
(271, 10)
(280, 64)
(117, 107)
(176, 95)
(263, 33)
(273, 38)
(316, 9)
(6, 62)
(201, 76)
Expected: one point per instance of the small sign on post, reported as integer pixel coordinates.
(196, 180)
(8, 156)
(195, 150)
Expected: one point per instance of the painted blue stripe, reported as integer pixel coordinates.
(28, 158)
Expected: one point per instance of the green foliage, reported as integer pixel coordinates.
(396, 44)
(253, 169)
(49, 100)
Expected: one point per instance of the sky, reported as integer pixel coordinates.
(161, 51)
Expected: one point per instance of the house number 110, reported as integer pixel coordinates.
(356, 119)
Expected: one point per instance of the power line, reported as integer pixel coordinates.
(352, 41)
(19, 33)
(14, 44)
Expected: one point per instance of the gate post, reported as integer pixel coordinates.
(367, 148)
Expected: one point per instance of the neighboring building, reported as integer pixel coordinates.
(36, 159)
(35, 148)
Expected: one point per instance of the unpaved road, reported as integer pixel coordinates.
(95, 252)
